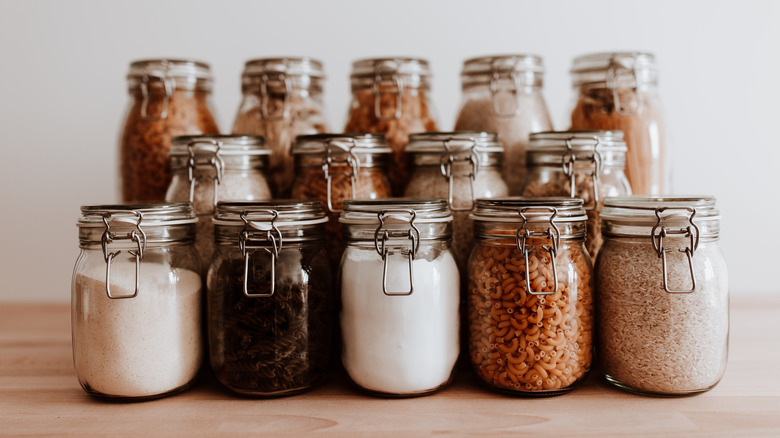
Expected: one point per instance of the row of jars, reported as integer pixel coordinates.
(282, 99)
(656, 303)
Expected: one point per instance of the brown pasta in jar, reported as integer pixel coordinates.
(390, 96)
(583, 164)
(530, 295)
(169, 98)
(332, 168)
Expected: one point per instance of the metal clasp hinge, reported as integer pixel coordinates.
(494, 80)
(691, 231)
(614, 72)
(351, 161)
(265, 100)
(137, 235)
(552, 233)
(398, 81)
(412, 233)
(167, 90)
(249, 241)
(215, 161)
(567, 164)
(445, 164)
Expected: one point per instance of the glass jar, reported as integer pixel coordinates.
(530, 295)
(503, 94)
(391, 96)
(136, 301)
(270, 297)
(460, 167)
(282, 99)
(619, 91)
(168, 98)
(334, 167)
(583, 164)
(663, 295)
(399, 295)
(210, 168)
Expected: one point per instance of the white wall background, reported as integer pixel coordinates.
(63, 94)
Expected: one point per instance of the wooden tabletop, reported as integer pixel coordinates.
(40, 395)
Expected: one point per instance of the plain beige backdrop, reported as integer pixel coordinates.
(63, 95)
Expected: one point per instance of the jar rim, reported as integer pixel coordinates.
(290, 65)
(281, 212)
(438, 142)
(170, 68)
(365, 211)
(490, 64)
(533, 209)
(408, 66)
(360, 143)
(583, 140)
(226, 144)
(144, 214)
(643, 208)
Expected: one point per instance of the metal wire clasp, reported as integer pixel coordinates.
(660, 232)
(168, 85)
(382, 236)
(395, 79)
(265, 100)
(494, 81)
(614, 71)
(259, 235)
(448, 158)
(137, 235)
(351, 160)
(552, 233)
(215, 161)
(567, 164)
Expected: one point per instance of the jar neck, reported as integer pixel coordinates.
(364, 160)
(483, 160)
(281, 84)
(507, 232)
(181, 164)
(153, 237)
(226, 235)
(390, 84)
(503, 82)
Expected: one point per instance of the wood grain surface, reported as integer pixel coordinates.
(40, 395)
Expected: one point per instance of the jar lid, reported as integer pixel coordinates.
(617, 69)
(293, 66)
(211, 144)
(134, 215)
(413, 67)
(530, 210)
(262, 214)
(170, 68)
(341, 144)
(636, 215)
(487, 65)
(585, 148)
(456, 141)
(366, 211)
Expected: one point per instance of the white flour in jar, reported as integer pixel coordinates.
(142, 346)
(399, 344)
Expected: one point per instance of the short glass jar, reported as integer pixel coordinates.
(270, 297)
(282, 99)
(459, 167)
(399, 296)
(332, 168)
(663, 295)
(503, 94)
(583, 164)
(209, 168)
(136, 301)
(530, 295)
(169, 97)
(391, 96)
(619, 91)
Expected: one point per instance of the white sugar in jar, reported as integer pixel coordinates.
(399, 295)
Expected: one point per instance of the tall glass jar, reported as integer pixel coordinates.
(391, 96)
(210, 168)
(335, 167)
(270, 297)
(136, 301)
(619, 91)
(503, 94)
(583, 164)
(282, 99)
(399, 295)
(459, 167)
(168, 98)
(663, 295)
(530, 295)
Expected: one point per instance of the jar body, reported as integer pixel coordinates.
(525, 343)
(478, 113)
(270, 345)
(399, 345)
(652, 341)
(142, 347)
(147, 137)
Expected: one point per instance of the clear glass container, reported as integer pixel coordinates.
(399, 296)
(391, 96)
(211, 168)
(282, 99)
(459, 167)
(270, 297)
(583, 164)
(619, 91)
(168, 98)
(663, 295)
(332, 168)
(136, 301)
(503, 94)
(530, 295)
